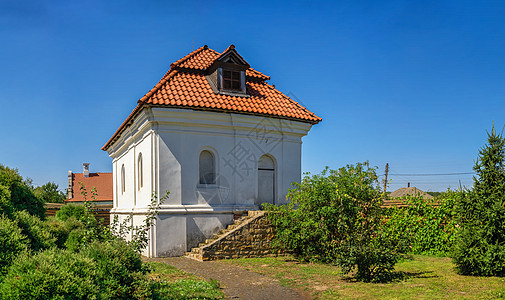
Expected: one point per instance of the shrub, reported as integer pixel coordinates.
(12, 242)
(36, 230)
(78, 212)
(5, 200)
(76, 239)
(421, 227)
(108, 270)
(50, 274)
(118, 266)
(337, 221)
(480, 244)
(61, 229)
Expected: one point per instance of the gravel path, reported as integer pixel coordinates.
(236, 283)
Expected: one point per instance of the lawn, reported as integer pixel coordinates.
(177, 284)
(422, 277)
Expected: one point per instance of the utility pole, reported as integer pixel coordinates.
(386, 179)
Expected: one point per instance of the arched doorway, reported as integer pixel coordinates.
(266, 180)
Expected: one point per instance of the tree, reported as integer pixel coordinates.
(480, 244)
(21, 194)
(49, 193)
(337, 221)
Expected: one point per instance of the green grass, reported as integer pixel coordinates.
(177, 284)
(423, 277)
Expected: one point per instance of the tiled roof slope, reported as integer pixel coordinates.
(101, 181)
(185, 86)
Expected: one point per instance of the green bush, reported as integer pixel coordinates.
(421, 227)
(106, 270)
(67, 211)
(51, 274)
(36, 230)
(76, 239)
(21, 195)
(61, 229)
(480, 244)
(6, 207)
(118, 266)
(337, 221)
(12, 242)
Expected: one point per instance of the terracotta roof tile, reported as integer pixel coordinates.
(101, 181)
(186, 86)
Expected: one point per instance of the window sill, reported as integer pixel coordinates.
(233, 93)
(207, 186)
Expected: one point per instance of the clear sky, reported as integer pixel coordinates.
(415, 84)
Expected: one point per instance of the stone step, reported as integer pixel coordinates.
(198, 252)
(194, 256)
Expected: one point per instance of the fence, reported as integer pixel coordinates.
(402, 203)
(102, 211)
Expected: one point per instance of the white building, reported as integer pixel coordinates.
(216, 135)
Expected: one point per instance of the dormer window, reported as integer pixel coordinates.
(232, 80)
(226, 75)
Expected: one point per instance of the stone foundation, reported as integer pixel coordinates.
(248, 237)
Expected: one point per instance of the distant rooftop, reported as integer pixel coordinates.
(101, 181)
(412, 191)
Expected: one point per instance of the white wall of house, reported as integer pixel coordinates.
(171, 141)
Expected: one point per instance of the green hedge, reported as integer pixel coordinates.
(107, 270)
(421, 227)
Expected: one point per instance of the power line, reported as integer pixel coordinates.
(439, 174)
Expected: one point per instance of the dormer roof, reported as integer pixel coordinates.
(185, 86)
(230, 54)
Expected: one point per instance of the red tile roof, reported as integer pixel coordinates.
(185, 86)
(101, 181)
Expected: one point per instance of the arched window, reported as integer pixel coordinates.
(140, 173)
(266, 180)
(123, 186)
(207, 168)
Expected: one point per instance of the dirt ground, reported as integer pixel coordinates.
(236, 283)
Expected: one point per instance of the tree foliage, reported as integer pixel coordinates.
(17, 195)
(338, 221)
(480, 244)
(49, 193)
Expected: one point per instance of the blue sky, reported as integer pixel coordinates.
(415, 84)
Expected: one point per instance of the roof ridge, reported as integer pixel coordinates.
(185, 58)
(163, 80)
(232, 47)
(289, 98)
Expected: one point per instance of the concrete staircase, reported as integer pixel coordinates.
(220, 245)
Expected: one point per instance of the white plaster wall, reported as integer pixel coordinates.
(236, 152)
(144, 146)
(171, 141)
(126, 198)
